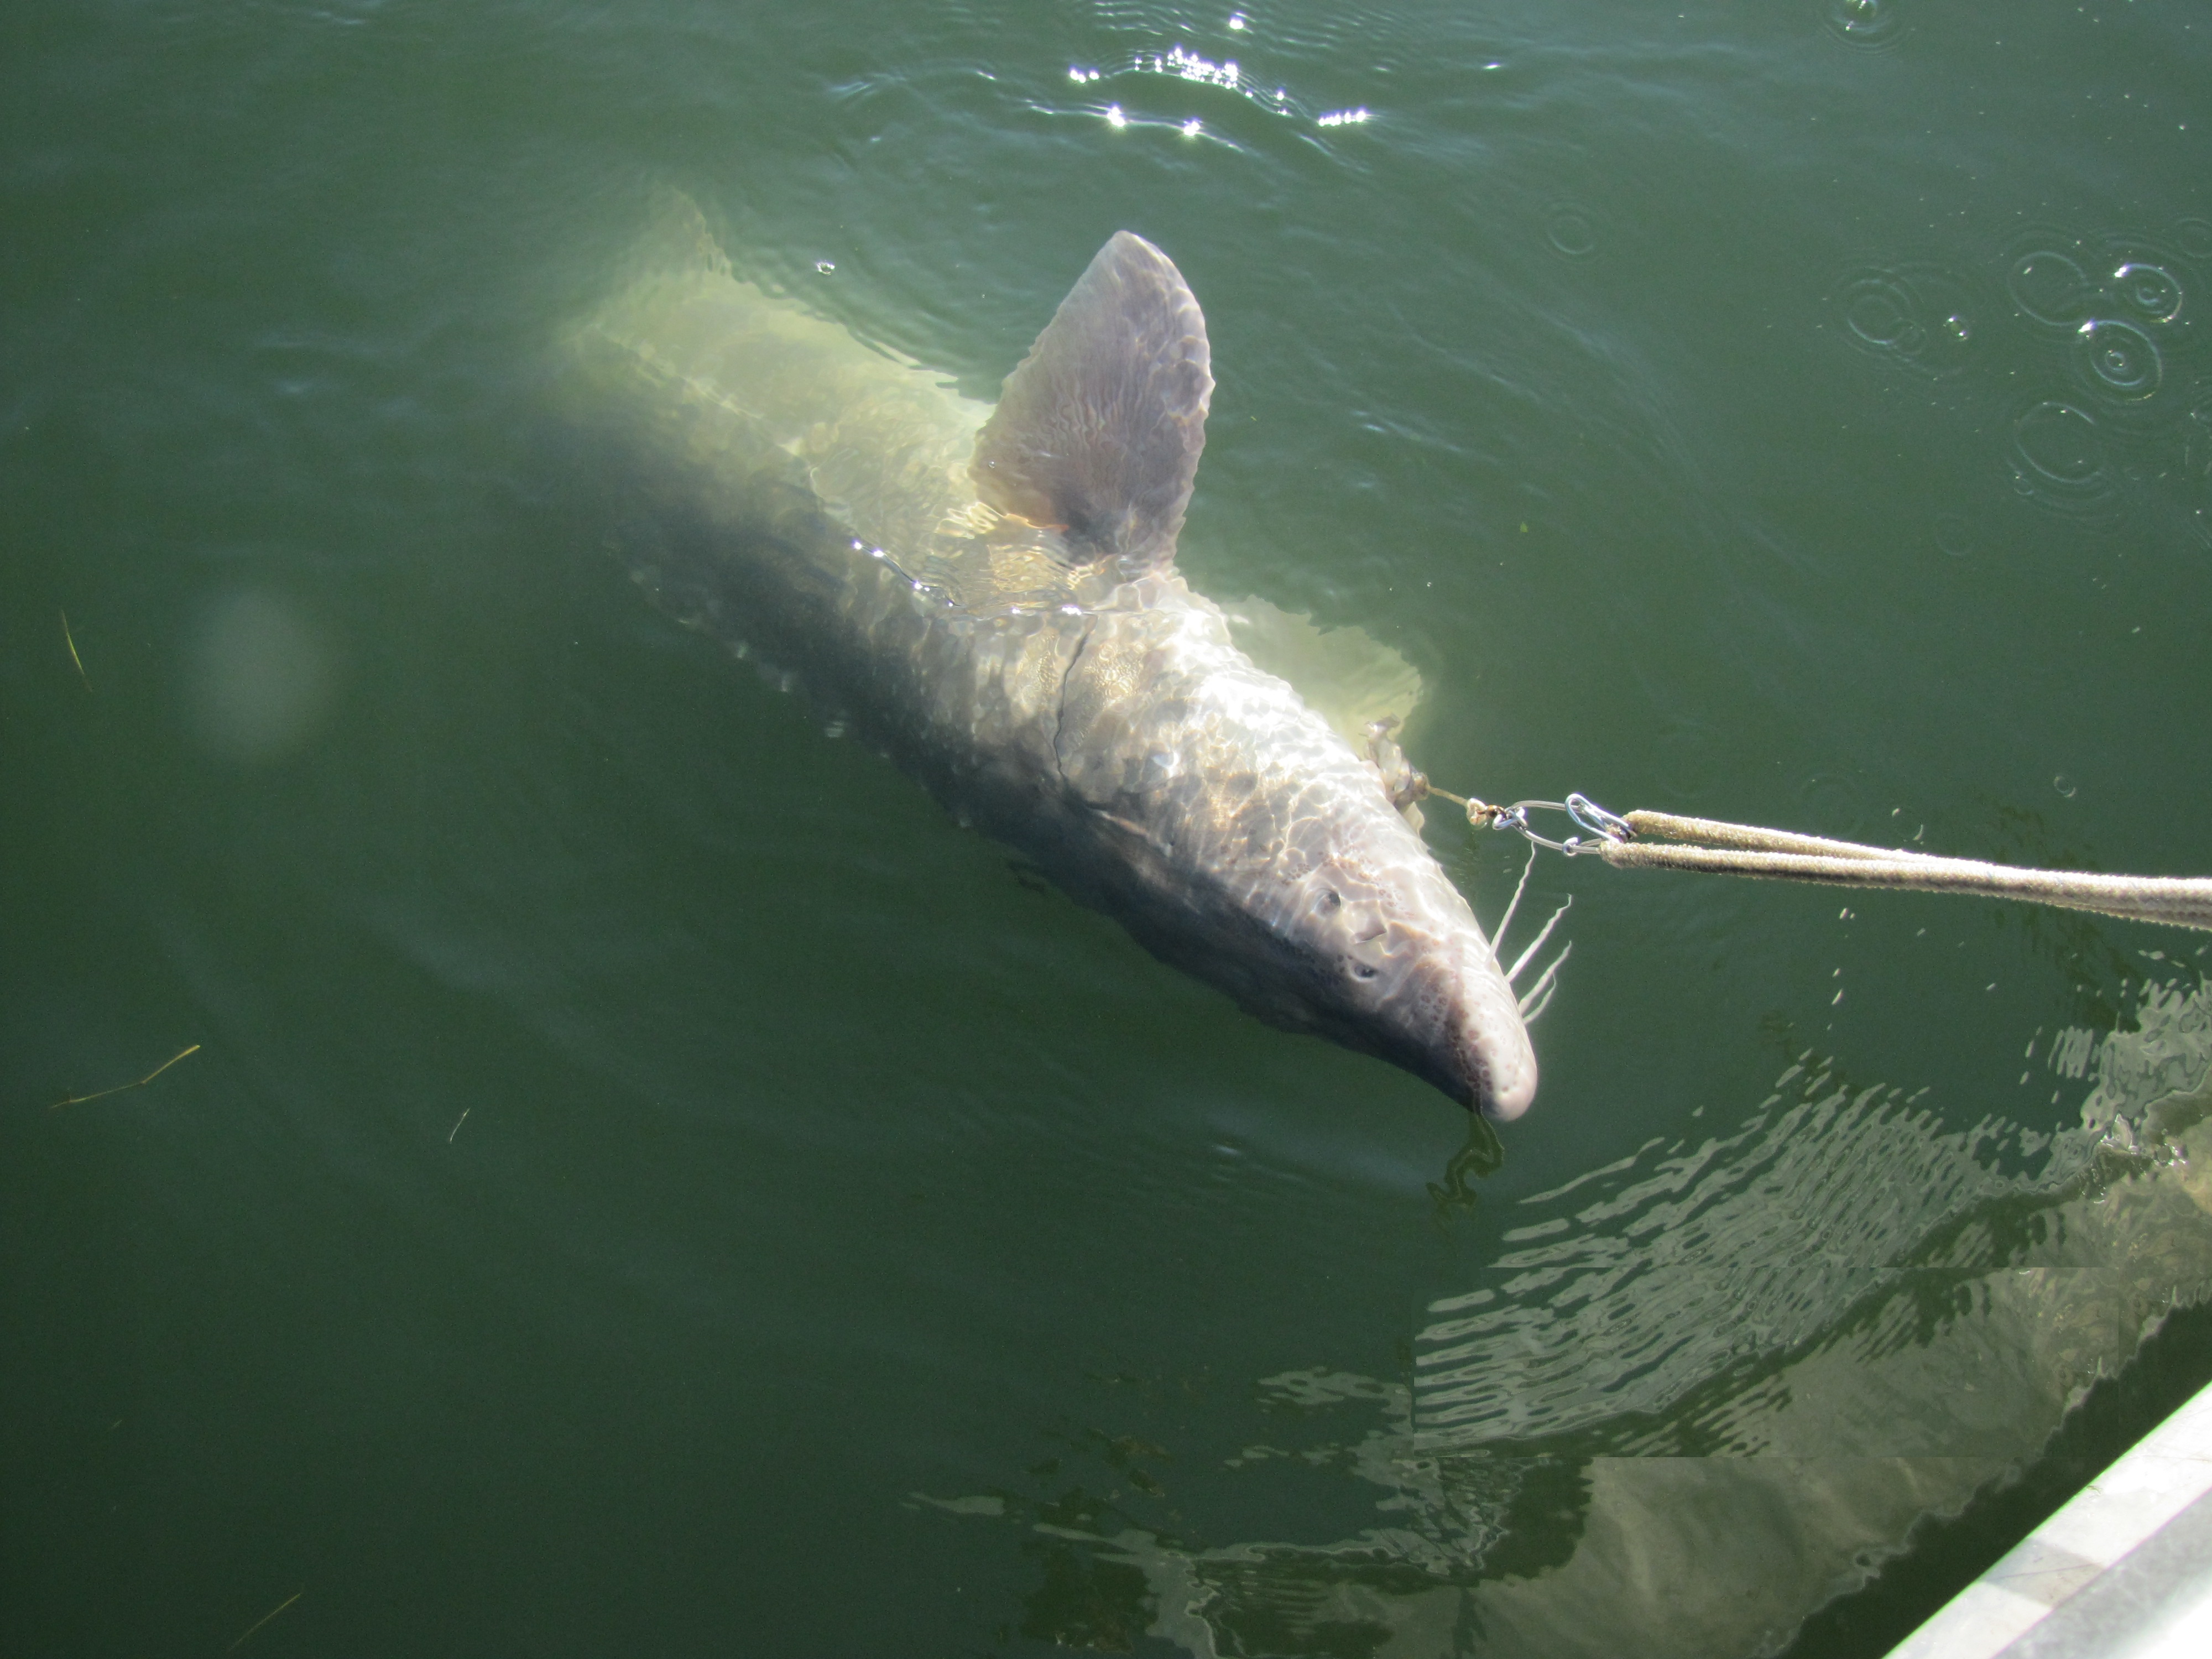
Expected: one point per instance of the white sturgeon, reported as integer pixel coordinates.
(990, 596)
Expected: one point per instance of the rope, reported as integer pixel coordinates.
(1712, 832)
(1742, 849)
(2176, 900)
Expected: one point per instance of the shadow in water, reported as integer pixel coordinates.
(1705, 1392)
(1943, 1554)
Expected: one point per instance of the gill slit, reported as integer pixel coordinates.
(1060, 704)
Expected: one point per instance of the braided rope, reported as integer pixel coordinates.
(1740, 849)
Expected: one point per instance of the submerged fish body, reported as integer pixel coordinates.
(990, 596)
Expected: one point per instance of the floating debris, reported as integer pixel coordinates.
(79, 1100)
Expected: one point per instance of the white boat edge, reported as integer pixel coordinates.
(2123, 1569)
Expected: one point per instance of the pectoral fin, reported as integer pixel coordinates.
(1346, 675)
(1098, 431)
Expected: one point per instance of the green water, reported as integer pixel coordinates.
(648, 1182)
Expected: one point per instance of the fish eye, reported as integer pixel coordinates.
(1361, 970)
(1331, 901)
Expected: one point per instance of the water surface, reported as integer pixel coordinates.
(648, 1181)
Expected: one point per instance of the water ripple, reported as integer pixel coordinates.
(2150, 290)
(1569, 228)
(2119, 358)
(1180, 63)
(1921, 315)
(2058, 460)
(2192, 236)
(1835, 1322)
(2049, 287)
(1874, 25)
(1634, 1284)
(2061, 282)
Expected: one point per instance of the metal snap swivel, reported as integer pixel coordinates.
(1596, 819)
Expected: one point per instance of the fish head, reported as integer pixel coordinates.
(1239, 836)
(1402, 970)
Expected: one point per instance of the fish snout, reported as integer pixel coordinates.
(1421, 986)
(1493, 1057)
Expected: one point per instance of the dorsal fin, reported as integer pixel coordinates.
(1098, 431)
